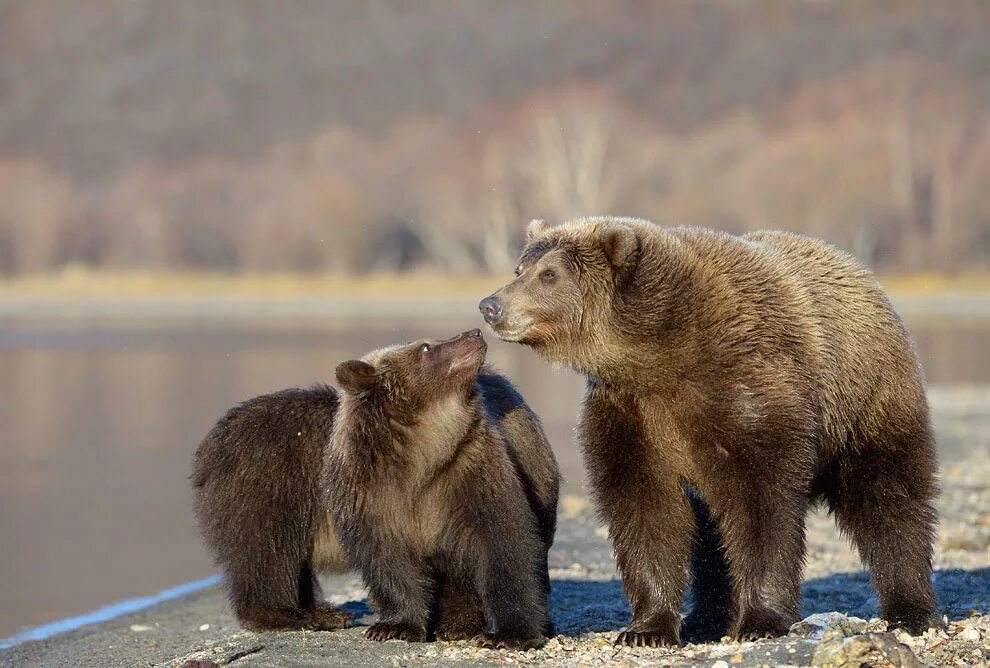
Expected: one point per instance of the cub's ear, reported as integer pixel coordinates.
(535, 228)
(621, 248)
(356, 376)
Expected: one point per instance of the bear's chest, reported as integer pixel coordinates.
(417, 521)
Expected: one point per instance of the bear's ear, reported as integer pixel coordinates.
(535, 228)
(620, 245)
(356, 376)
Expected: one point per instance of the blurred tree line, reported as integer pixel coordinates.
(382, 136)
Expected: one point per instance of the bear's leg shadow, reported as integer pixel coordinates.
(711, 583)
(881, 495)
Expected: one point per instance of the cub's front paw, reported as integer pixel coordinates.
(327, 617)
(395, 631)
(651, 638)
(758, 623)
(499, 641)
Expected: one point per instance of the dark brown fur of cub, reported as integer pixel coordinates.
(444, 493)
(258, 502)
(762, 373)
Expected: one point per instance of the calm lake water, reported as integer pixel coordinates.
(99, 420)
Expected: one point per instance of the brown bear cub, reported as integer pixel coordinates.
(256, 478)
(444, 492)
(732, 382)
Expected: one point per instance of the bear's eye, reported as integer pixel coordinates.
(548, 275)
(425, 348)
(518, 271)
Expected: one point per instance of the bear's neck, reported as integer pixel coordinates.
(651, 339)
(405, 451)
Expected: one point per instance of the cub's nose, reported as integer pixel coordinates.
(472, 334)
(491, 308)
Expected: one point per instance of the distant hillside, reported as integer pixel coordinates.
(96, 86)
(192, 133)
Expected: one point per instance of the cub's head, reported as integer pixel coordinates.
(410, 378)
(561, 297)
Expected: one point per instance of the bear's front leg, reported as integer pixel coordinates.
(400, 589)
(649, 519)
(509, 568)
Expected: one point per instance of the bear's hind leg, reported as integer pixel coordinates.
(882, 499)
(323, 616)
(272, 599)
(264, 589)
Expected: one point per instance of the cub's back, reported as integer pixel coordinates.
(256, 473)
(278, 427)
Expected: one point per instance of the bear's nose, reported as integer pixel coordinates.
(491, 308)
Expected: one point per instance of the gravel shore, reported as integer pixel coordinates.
(589, 608)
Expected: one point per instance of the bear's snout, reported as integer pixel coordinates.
(491, 309)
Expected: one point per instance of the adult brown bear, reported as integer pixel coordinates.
(760, 373)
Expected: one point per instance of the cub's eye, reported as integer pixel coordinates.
(518, 271)
(425, 348)
(548, 275)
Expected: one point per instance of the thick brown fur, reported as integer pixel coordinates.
(444, 492)
(761, 373)
(258, 502)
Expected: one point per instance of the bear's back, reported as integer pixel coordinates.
(291, 425)
(849, 309)
(792, 304)
(859, 339)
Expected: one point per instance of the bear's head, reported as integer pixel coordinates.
(408, 379)
(561, 299)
